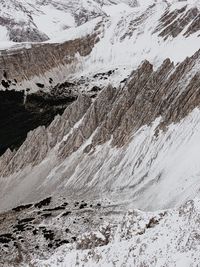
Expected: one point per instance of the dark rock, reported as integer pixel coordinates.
(152, 222)
(5, 75)
(5, 240)
(44, 202)
(40, 85)
(55, 209)
(66, 213)
(95, 89)
(22, 207)
(83, 205)
(19, 228)
(123, 81)
(48, 234)
(26, 220)
(35, 231)
(74, 238)
(5, 84)
(76, 204)
(65, 204)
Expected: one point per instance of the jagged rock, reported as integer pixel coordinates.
(173, 25)
(92, 119)
(115, 113)
(41, 140)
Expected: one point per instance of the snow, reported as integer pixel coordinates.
(75, 33)
(116, 9)
(142, 45)
(52, 22)
(128, 42)
(169, 162)
(172, 157)
(171, 242)
(127, 32)
(3, 34)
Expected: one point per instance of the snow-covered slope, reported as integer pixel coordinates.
(140, 132)
(130, 33)
(129, 141)
(41, 20)
(166, 238)
(38, 20)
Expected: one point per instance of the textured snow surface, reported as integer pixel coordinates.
(166, 238)
(50, 18)
(128, 37)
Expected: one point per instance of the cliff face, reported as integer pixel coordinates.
(19, 66)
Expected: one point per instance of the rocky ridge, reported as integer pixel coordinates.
(169, 94)
(38, 60)
(129, 140)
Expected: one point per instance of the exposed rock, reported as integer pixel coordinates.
(24, 64)
(174, 22)
(44, 138)
(116, 113)
(21, 113)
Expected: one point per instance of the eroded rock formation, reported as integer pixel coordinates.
(116, 114)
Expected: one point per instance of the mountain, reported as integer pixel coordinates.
(126, 74)
(40, 20)
(36, 21)
(130, 34)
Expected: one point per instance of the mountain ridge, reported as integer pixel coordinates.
(114, 180)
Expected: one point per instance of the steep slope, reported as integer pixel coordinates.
(129, 141)
(111, 138)
(153, 31)
(36, 21)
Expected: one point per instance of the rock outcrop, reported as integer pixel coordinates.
(24, 64)
(170, 93)
(40, 141)
(172, 23)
